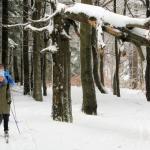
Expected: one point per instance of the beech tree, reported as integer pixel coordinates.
(61, 108)
(5, 33)
(0, 30)
(147, 73)
(97, 54)
(116, 80)
(37, 46)
(89, 105)
(25, 50)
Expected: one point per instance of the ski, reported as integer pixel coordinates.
(6, 136)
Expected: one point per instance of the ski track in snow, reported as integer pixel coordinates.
(121, 124)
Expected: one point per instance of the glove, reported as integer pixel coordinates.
(9, 102)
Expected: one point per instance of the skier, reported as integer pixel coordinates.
(5, 98)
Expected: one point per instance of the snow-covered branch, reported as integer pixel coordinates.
(115, 20)
(49, 28)
(123, 27)
(46, 18)
(50, 48)
(16, 25)
(100, 42)
(12, 43)
(135, 30)
(65, 34)
(106, 3)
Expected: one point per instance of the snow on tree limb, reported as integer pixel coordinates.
(50, 48)
(46, 18)
(100, 41)
(108, 17)
(16, 25)
(135, 30)
(49, 28)
(123, 27)
(84, 13)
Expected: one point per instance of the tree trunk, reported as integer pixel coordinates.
(0, 31)
(116, 84)
(133, 64)
(5, 33)
(44, 74)
(31, 74)
(21, 68)
(44, 66)
(67, 105)
(68, 65)
(101, 58)
(25, 50)
(102, 66)
(96, 62)
(89, 105)
(147, 73)
(37, 47)
(15, 66)
(61, 109)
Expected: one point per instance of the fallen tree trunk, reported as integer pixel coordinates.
(132, 30)
(125, 34)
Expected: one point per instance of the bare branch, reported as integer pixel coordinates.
(16, 25)
(45, 19)
(108, 2)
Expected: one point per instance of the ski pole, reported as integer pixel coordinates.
(15, 121)
(14, 106)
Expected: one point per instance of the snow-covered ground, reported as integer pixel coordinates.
(122, 124)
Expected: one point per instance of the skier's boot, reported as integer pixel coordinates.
(6, 135)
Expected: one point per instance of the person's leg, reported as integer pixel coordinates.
(6, 120)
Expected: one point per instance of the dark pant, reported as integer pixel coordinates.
(5, 117)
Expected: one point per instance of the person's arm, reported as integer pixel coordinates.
(8, 95)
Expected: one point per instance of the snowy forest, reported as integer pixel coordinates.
(82, 74)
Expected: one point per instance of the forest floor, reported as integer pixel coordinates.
(122, 124)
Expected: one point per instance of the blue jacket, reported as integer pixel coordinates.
(9, 79)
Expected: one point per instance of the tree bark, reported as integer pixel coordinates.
(61, 109)
(133, 64)
(116, 84)
(21, 68)
(102, 66)
(44, 74)
(25, 50)
(37, 47)
(44, 66)
(1, 31)
(15, 66)
(147, 73)
(96, 62)
(89, 105)
(116, 81)
(5, 33)
(31, 74)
